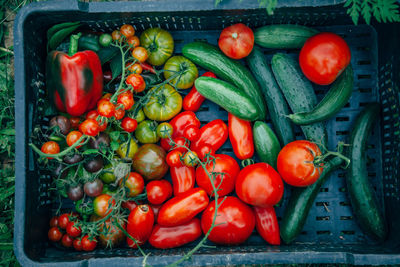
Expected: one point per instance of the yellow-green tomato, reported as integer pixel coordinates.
(164, 130)
(188, 72)
(140, 116)
(107, 175)
(190, 159)
(146, 132)
(159, 43)
(127, 149)
(164, 104)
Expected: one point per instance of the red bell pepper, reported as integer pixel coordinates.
(193, 100)
(75, 80)
(183, 178)
(171, 237)
(241, 137)
(214, 133)
(267, 224)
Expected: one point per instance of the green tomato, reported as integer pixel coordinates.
(181, 64)
(159, 43)
(84, 207)
(146, 132)
(164, 130)
(105, 39)
(190, 159)
(108, 190)
(140, 116)
(107, 176)
(164, 104)
(125, 151)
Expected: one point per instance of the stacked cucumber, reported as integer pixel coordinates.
(277, 88)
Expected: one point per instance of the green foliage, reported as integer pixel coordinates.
(381, 10)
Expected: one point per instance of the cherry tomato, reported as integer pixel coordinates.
(234, 223)
(111, 235)
(54, 234)
(54, 221)
(158, 191)
(140, 53)
(102, 205)
(191, 133)
(107, 96)
(204, 150)
(72, 230)
(193, 100)
(119, 113)
(183, 178)
(136, 81)
(140, 224)
(236, 41)
(259, 185)
(134, 183)
(77, 244)
(214, 133)
(267, 224)
(241, 137)
(182, 208)
(62, 123)
(127, 30)
(105, 108)
(93, 188)
(190, 159)
(93, 114)
(133, 41)
(105, 39)
(174, 158)
(324, 57)
(164, 130)
(89, 127)
(88, 243)
(63, 220)
(179, 141)
(296, 163)
(126, 99)
(72, 137)
(129, 125)
(75, 121)
(50, 147)
(175, 236)
(223, 164)
(130, 205)
(66, 241)
(116, 35)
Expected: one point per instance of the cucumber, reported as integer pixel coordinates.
(299, 94)
(60, 26)
(227, 96)
(211, 58)
(301, 201)
(276, 103)
(362, 196)
(284, 36)
(266, 143)
(332, 103)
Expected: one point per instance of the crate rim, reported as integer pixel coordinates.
(22, 131)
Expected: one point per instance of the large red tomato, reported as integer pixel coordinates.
(259, 185)
(234, 223)
(236, 41)
(223, 164)
(324, 57)
(296, 163)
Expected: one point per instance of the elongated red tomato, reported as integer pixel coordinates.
(183, 178)
(234, 223)
(175, 236)
(194, 99)
(259, 185)
(223, 164)
(214, 133)
(267, 224)
(183, 120)
(182, 208)
(140, 225)
(241, 137)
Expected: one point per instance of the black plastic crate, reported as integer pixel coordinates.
(331, 234)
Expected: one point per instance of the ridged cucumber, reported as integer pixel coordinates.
(301, 201)
(227, 96)
(211, 58)
(299, 93)
(335, 99)
(266, 143)
(283, 36)
(362, 196)
(276, 103)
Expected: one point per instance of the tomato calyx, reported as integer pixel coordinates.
(320, 160)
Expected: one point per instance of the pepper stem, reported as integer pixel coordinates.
(73, 44)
